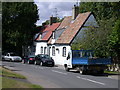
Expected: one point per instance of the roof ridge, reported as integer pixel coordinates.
(68, 35)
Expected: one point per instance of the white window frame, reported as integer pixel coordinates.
(45, 50)
(41, 49)
(53, 51)
(49, 49)
(64, 52)
(53, 35)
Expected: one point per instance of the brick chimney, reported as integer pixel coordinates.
(53, 20)
(75, 12)
(43, 24)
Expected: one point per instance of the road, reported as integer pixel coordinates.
(57, 77)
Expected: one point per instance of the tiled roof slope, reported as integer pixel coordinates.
(48, 31)
(69, 34)
(66, 22)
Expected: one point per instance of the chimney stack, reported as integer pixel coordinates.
(53, 20)
(75, 12)
(43, 24)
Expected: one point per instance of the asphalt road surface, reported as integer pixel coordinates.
(57, 77)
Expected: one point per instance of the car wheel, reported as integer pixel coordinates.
(23, 61)
(67, 69)
(41, 63)
(3, 59)
(28, 62)
(35, 63)
(10, 60)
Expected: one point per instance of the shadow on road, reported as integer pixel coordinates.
(95, 74)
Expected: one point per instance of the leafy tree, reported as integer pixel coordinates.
(106, 14)
(114, 40)
(18, 24)
(105, 39)
(102, 10)
(96, 39)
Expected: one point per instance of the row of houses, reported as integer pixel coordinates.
(56, 38)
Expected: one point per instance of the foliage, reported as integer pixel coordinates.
(103, 39)
(102, 10)
(114, 39)
(18, 24)
(95, 38)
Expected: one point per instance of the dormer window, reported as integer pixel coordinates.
(53, 35)
(40, 36)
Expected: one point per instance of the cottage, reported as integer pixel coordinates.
(43, 37)
(65, 34)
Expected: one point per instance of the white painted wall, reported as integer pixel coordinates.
(38, 47)
(58, 58)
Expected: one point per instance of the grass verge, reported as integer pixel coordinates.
(111, 72)
(11, 83)
(9, 73)
(8, 80)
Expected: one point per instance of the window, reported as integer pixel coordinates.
(64, 51)
(41, 50)
(49, 50)
(53, 51)
(53, 35)
(40, 36)
(34, 48)
(45, 50)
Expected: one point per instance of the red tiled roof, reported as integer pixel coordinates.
(68, 35)
(48, 31)
(64, 24)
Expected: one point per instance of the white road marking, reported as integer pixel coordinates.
(90, 80)
(59, 72)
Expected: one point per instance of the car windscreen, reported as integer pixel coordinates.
(46, 56)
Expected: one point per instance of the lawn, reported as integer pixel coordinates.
(9, 73)
(111, 72)
(10, 79)
(11, 83)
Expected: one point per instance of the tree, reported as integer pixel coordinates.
(18, 24)
(95, 38)
(105, 39)
(106, 14)
(114, 41)
(101, 10)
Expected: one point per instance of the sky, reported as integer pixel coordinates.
(47, 9)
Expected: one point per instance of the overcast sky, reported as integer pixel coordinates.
(47, 9)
